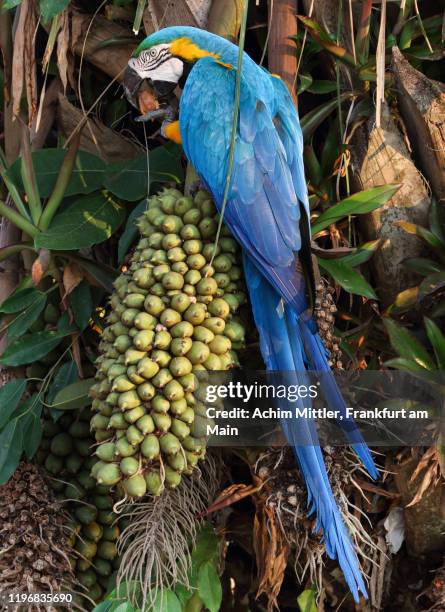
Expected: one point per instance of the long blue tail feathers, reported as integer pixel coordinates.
(288, 344)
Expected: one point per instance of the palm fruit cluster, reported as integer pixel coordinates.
(66, 453)
(173, 314)
(324, 313)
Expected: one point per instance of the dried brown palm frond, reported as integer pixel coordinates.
(156, 544)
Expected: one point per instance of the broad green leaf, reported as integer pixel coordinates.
(10, 395)
(9, 4)
(11, 447)
(183, 594)
(66, 375)
(166, 601)
(321, 86)
(323, 39)
(407, 346)
(431, 284)
(131, 231)
(32, 426)
(51, 8)
(404, 300)
(31, 347)
(104, 606)
(311, 120)
(206, 547)
(357, 204)
(437, 220)
(362, 254)
(307, 601)
(88, 173)
(23, 320)
(347, 277)
(87, 221)
(312, 166)
(437, 339)
(421, 265)
(125, 606)
(129, 180)
(19, 300)
(304, 82)
(74, 396)
(81, 302)
(209, 586)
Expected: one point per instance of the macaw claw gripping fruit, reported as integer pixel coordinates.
(169, 315)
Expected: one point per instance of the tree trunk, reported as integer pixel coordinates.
(281, 50)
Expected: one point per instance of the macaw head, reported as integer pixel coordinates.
(164, 59)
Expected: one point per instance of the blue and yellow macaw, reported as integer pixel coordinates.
(267, 212)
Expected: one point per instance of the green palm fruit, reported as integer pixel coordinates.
(79, 429)
(180, 366)
(86, 514)
(234, 331)
(150, 447)
(169, 444)
(96, 467)
(170, 241)
(180, 302)
(82, 447)
(177, 462)
(112, 398)
(220, 345)
(109, 474)
(146, 391)
(145, 424)
(155, 240)
(162, 421)
(195, 314)
(102, 567)
(135, 486)
(145, 320)
(183, 205)
(160, 404)
(222, 280)
(107, 550)
(195, 262)
(147, 368)
(93, 531)
(210, 249)
(111, 534)
(176, 255)
(180, 346)
(173, 280)
(117, 421)
(86, 481)
(182, 330)
(105, 517)
(179, 429)
(190, 231)
(143, 277)
(203, 334)
(124, 448)
(207, 286)
(155, 486)
(198, 353)
(192, 247)
(62, 445)
(173, 390)
(193, 445)
(134, 300)
(87, 578)
(170, 317)
(178, 407)
(208, 227)
(128, 400)
(54, 464)
(132, 356)
(103, 502)
(143, 340)
(162, 358)
(73, 490)
(189, 382)
(160, 271)
(122, 384)
(73, 463)
(219, 308)
(188, 416)
(172, 477)
(162, 340)
(129, 466)
(133, 415)
(134, 435)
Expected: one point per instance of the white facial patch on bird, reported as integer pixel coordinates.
(157, 64)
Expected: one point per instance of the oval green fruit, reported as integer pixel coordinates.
(135, 486)
(129, 466)
(150, 447)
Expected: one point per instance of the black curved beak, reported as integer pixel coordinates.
(131, 83)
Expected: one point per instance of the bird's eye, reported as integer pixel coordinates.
(153, 53)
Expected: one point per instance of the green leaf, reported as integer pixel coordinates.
(183, 594)
(51, 8)
(307, 601)
(166, 601)
(23, 320)
(404, 300)
(19, 300)
(102, 274)
(322, 87)
(304, 82)
(209, 586)
(311, 120)
(437, 340)
(125, 606)
(206, 547)
(131, 231)
(421, 265)
(9, 4)
(104, 606)
(74, 396)
(31, 347)
(11, 447)
(347, 277)
(323, 39)
(357, 204)
(407, 346)
(10, 395)
(426, 235)
(128, 180)
(432, 284)
(437, 220)
(88, 173)
(362, 254)
(32, 426)
(87, 221)
(81, 302)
